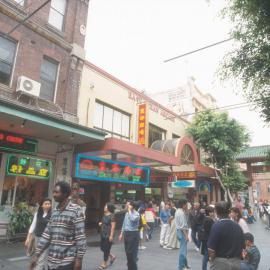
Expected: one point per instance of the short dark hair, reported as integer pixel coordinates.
(110, 207)
(222, 208)
(134, 204)
(182, 202)
(64, 187)
(238, 212)
(249, 237)
(209, 209)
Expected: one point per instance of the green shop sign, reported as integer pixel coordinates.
(28, 166)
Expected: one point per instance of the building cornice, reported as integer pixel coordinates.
(132, 89)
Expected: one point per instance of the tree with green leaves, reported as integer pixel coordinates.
(222, 138)
(249, 62)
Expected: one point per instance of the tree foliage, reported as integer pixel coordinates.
(250, 61)
(222, 138)
(233, 179)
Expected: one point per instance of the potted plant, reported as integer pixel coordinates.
(20, 220)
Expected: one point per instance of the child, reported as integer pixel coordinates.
(143, 225)
(251, 254)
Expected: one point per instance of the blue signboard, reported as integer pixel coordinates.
(183, 184)
(100, 169)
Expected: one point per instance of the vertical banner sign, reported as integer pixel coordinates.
(142, 125)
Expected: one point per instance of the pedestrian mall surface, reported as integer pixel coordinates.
(12, 256)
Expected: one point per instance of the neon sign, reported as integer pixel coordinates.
(28, 166)
(99, 169)
(142, 125)
(17, 143)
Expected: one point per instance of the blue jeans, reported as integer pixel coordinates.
(205, 259)
(245, 266)
(194, 233)
(183, 250)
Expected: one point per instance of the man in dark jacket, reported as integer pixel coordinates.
(196, 217)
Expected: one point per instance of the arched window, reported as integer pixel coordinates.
(187, 156)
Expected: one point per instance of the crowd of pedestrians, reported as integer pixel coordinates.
(219, 232)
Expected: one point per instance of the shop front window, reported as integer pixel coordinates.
(18, 189)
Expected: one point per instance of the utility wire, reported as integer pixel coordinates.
(28, 17)
(227, 107)
(197, 50)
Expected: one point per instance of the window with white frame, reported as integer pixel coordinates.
(48, 78)
(112, 121)
(7, 57)
(57, 13)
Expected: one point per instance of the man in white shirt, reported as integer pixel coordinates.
(181, 224)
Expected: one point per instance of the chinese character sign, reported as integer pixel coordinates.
(99, 169)
(28, 166)
(142, 125)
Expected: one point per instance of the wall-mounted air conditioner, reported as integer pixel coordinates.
(28, 87)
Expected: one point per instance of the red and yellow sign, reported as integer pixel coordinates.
(142, 125)
(185, 175)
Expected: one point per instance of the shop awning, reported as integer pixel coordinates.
(25, 121)
(125, 151)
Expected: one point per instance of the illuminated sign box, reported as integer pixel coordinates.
(28, 166)
(184, 184)
(99, 169)
(17, 143)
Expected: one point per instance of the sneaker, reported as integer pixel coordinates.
(197, 249)
(167, 247)
(143, 247)
(186, 268)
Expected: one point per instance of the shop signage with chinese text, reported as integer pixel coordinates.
(183, 175)
(17, 143)
(143, 125)
(99, 169)
(28, 166)
(184, 184)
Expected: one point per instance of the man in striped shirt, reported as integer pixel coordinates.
(64, 235)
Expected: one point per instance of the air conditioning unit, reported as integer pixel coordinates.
(28, 87)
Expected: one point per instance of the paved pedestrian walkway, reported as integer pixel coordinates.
(12, 256)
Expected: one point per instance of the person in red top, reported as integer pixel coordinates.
(150, 216)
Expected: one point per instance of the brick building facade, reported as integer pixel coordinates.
(41, 63)
(58, 40)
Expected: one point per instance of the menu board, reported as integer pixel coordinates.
(28, 166)
(99, 169)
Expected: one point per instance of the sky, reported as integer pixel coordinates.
(130, 39)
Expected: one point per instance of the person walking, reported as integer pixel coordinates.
(130, 232)
(181, 224)
(150, 216)
(204, 234)
(237, 217)
(64, 236)
(226, 241)
(39, 223)
(173, 241)
(165, 225)
(196, 217)
(107, 225)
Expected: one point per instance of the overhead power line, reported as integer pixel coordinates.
(28, 17)
(198, 50)
(227, 107)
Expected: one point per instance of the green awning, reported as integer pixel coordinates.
(41, 125)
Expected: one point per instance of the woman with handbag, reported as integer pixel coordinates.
(39, 223)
